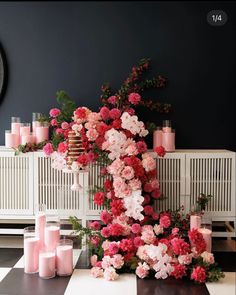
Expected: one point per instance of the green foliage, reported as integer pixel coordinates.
(56, 139)
(29, 147)
(150, 126)
(67, 105)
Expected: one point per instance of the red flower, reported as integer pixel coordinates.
(160, 150)
(136, 228)
(134, 98)
(105, 217)
(102, 128)
(180, 247)
(148, 210)
(114, 113)
(126, 245)
(165, 221)
(83, 160)
(197, 240)
(141, 146)
(107, 184)
(116, 229)
(199, 274)
(179, 271)
(80, 113)
(116, 124)
(62, 147)
(95, 240)
(99, 141)
(156, 193)
(105, 113)
(105, 232)
(95, 225)
(138, 242)
(117, 207)
(99, 198)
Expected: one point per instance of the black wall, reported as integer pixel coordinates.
(77, 46)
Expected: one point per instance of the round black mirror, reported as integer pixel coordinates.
(3, 73)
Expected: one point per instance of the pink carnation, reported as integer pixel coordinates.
(138, 242)
(142, 270)
(105, 217)
(53, 122)
(105, 113)
(113, 248)
(48, 149)
(165, 221)
(135, 184)
(110, 274)
(65, 125)
(134, 98)
(95, 225)
(179, 271)
(54, 112)
(141, 146)
(105, 232)
(208, 257)
(136, 228)
(112, 99)
(96, 272)
(199, 274)
(117, 261)
(92, 134)
(114, 113)
(95, 240)
(62, 147)
(128, 173)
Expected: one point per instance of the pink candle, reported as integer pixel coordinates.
(168, 141)
(157, 137)
(40, 222)
(10, 139)
(35, 124)
(42, 133)
(207, 236)
(64, 257)
(52, 236)
(195, 221)
(47, 264)
(25, 129)
(31, 254)
(27, 139)
(15, 125)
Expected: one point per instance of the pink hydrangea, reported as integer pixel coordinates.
(142, 270)
(128, 173)
(65, 125)
(105, 113)
(117, 261)
(48, 149)
(112, 99)
(110, 274)
(114, 113)
(96, 272)
(54, 112)
(165, 221)
(134, 98)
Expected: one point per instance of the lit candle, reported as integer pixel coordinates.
(64, 257)
(52, 235)
(195, 221)
(47, 264)
(207, 236)
(31, 250)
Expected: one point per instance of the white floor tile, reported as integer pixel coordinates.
(20, 263)
(3, 272)
(224, 286)
(82, 280)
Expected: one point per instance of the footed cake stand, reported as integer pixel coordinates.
(76, 186)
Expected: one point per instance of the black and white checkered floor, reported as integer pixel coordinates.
(13, 280)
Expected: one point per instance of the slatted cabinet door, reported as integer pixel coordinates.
(212, 173)
(16, 183)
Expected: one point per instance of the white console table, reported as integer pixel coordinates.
(28, 179)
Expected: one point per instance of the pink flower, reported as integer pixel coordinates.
(54, 112)
(110, 274)
(95, 240)
(138, 242)
(99, 198)
(62, 147)
(106, 261)
(65, 125)
(93, 260)
(48, 149)
(142, 147)
(92, 134)
(158, 229)
(114, 113)
(117, 261)
(208, 257)
(148, 210)
(112, 99)
(148, 162)
(199, 274)
(128, 173)
(130, 111)
(179, 271)
(165, 221)
(59, 131)
(136, 228)
(53, 122)
(175, 231)
(134, 98)
(185, 259)
(105, 113)
(113, 248)
(83, 160)
(105, 217)
(105, 232)
(155, 216)
(160, 150)
(142, 270)
(148, 236)
(135, 184)
(96, 272)
(131, 150)
(95, 225)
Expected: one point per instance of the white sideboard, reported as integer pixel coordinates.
(28, 179)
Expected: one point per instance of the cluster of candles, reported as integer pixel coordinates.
(197, 223)
(20, 133)
(44, 252)
(164, 136)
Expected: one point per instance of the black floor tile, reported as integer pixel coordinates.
(9, 256)
(226, 260)
(17, 282)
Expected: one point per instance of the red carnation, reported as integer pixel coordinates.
(99, 198)
(116, 229)
(83, 160)
(199, 274)
(117, 207)
(160, 150)
(105, 113)
(116, 124)
(179, 271)
(114, 113)
(107, 184)
(148, 210)
(105, 217)
(126, 245)
(80, 113)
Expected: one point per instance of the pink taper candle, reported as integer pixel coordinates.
(207, 236)
(64, 257)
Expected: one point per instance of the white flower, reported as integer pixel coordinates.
(132, 124)
(58, 161)
(133, 205)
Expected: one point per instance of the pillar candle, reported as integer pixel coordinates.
(64, 259)
(47, 265)
(168, 141)
(195, 221)
(157, 138)
(27, 139)
(52, 236)
(31, 254)
(42, 133)
(40, 222)
(24, 129)
(207, 236)
(10, 139)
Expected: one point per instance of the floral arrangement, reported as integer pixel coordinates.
(130, 236)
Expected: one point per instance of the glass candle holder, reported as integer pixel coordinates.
(207, 220)
(166, 126)
(40, 222)
(157, 137)
(31, 250)
(30, 138)
(10, 139)
(47, 264)
(35, 121)
(195, 221)
(15, 125)
(52, 232)
(24, 129)
(168, 141)
(207, 236)
(64, 257)
(42, 132)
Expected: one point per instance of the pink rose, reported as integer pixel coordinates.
(65, 125)
(134, 98)
(48, 149)
(53, 122)
(54, 112)
(114, 113)
(112, 99)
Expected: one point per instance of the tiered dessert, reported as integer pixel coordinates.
(75, 148)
